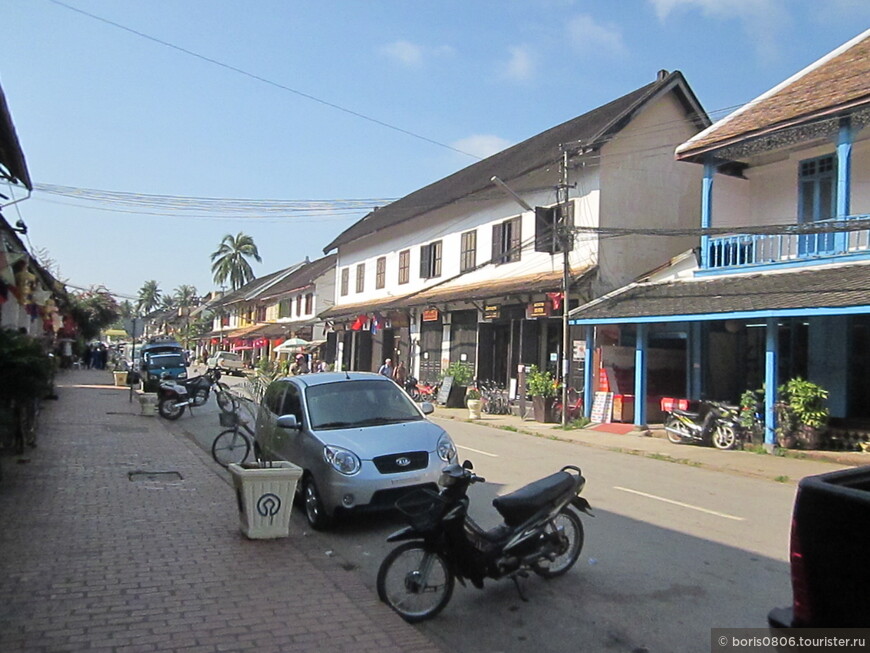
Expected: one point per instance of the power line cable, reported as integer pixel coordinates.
(264, 80)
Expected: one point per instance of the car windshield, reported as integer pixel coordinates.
(228, 356)
(352, 404)
(166, 360)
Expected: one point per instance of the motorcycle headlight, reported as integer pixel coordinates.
(343, 461)
(446, 449)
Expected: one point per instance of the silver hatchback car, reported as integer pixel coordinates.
(359, 438)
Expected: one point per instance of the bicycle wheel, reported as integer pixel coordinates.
(566, 534)
(225, 399)
(415, 582)
(230, 446)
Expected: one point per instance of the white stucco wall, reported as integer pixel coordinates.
(447, 224)
(643, 186)
(769, 194)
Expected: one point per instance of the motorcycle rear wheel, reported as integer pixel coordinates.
(724, 436)
(571, 537)
(415, 582)
(673, 423)
(169, 409)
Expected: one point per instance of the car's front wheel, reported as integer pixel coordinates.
(315, 510)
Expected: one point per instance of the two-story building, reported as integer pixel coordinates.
(258, 317)
(780, 284)
(470, 268)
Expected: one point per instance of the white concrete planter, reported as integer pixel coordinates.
(120, 377)
(265, 497)
(474, 407)
(148, 404)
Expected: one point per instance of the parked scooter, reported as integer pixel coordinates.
(542, 533)
(714, 423)
(412, 389)
(174, 396)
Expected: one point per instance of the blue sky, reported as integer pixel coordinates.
(333, 100)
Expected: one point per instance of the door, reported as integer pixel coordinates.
(430, 352)
(817, 201)
(289, 441)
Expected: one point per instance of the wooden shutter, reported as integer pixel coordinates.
(497, 234)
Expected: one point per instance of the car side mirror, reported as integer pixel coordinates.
(289, 422)
(427, 408)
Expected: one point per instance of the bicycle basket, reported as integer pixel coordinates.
(229, 419)
(422, 508)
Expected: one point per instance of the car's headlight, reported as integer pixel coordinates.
(446, 449)
(343, 461)
(183, 375)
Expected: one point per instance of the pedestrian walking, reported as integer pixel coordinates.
(387, 368)
(400, 374)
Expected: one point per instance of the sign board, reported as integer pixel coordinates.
(431, 315)
(539, 309)
(491, 311)
(444, 390)
(602, 407)
(134, 326)
(579, 350)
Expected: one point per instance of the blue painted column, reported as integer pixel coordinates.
(695, 352)
(640, 377)
(588, 372)
(770, 381)
(844, 180)
(706, 211)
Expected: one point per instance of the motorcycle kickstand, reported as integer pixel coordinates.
(515, 578)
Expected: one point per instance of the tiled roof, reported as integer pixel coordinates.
(593, 129)
(838, 81)
(300, 278)
(829, 287)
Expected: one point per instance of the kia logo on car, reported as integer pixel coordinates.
(403, 462)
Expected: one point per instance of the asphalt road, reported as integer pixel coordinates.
(672, 552)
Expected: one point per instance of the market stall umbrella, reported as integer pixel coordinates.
(291, 345)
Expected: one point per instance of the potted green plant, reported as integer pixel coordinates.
(542, 388)
(801, 414)
(462, 375)
(474, 402)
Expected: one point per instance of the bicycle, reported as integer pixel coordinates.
(234, 444)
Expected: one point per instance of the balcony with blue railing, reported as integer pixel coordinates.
(798, 245)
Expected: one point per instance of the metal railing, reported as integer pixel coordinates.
(752, 250)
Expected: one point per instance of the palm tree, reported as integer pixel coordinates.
(149, 297)
(230, 262)
(184, 296)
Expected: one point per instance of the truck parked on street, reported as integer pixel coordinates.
(830, 534)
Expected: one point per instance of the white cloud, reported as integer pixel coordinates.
(762, 19)
(521, 65)
(412, 55)
(586, 34)
(481, 145)
(406, 53)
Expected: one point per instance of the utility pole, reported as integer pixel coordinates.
(566, 242)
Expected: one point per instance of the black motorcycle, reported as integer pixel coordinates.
(173, 396)
(542, 533)
(713, 423)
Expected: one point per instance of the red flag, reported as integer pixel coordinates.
(556, 299)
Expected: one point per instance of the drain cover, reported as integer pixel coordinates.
(154, 476)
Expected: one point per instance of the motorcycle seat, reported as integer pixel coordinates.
(520, 505)
(686, 413)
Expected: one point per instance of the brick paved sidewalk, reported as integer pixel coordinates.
(92, 561)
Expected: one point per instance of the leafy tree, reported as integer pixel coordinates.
(94, 310)
(149, 297)
(230, 260)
